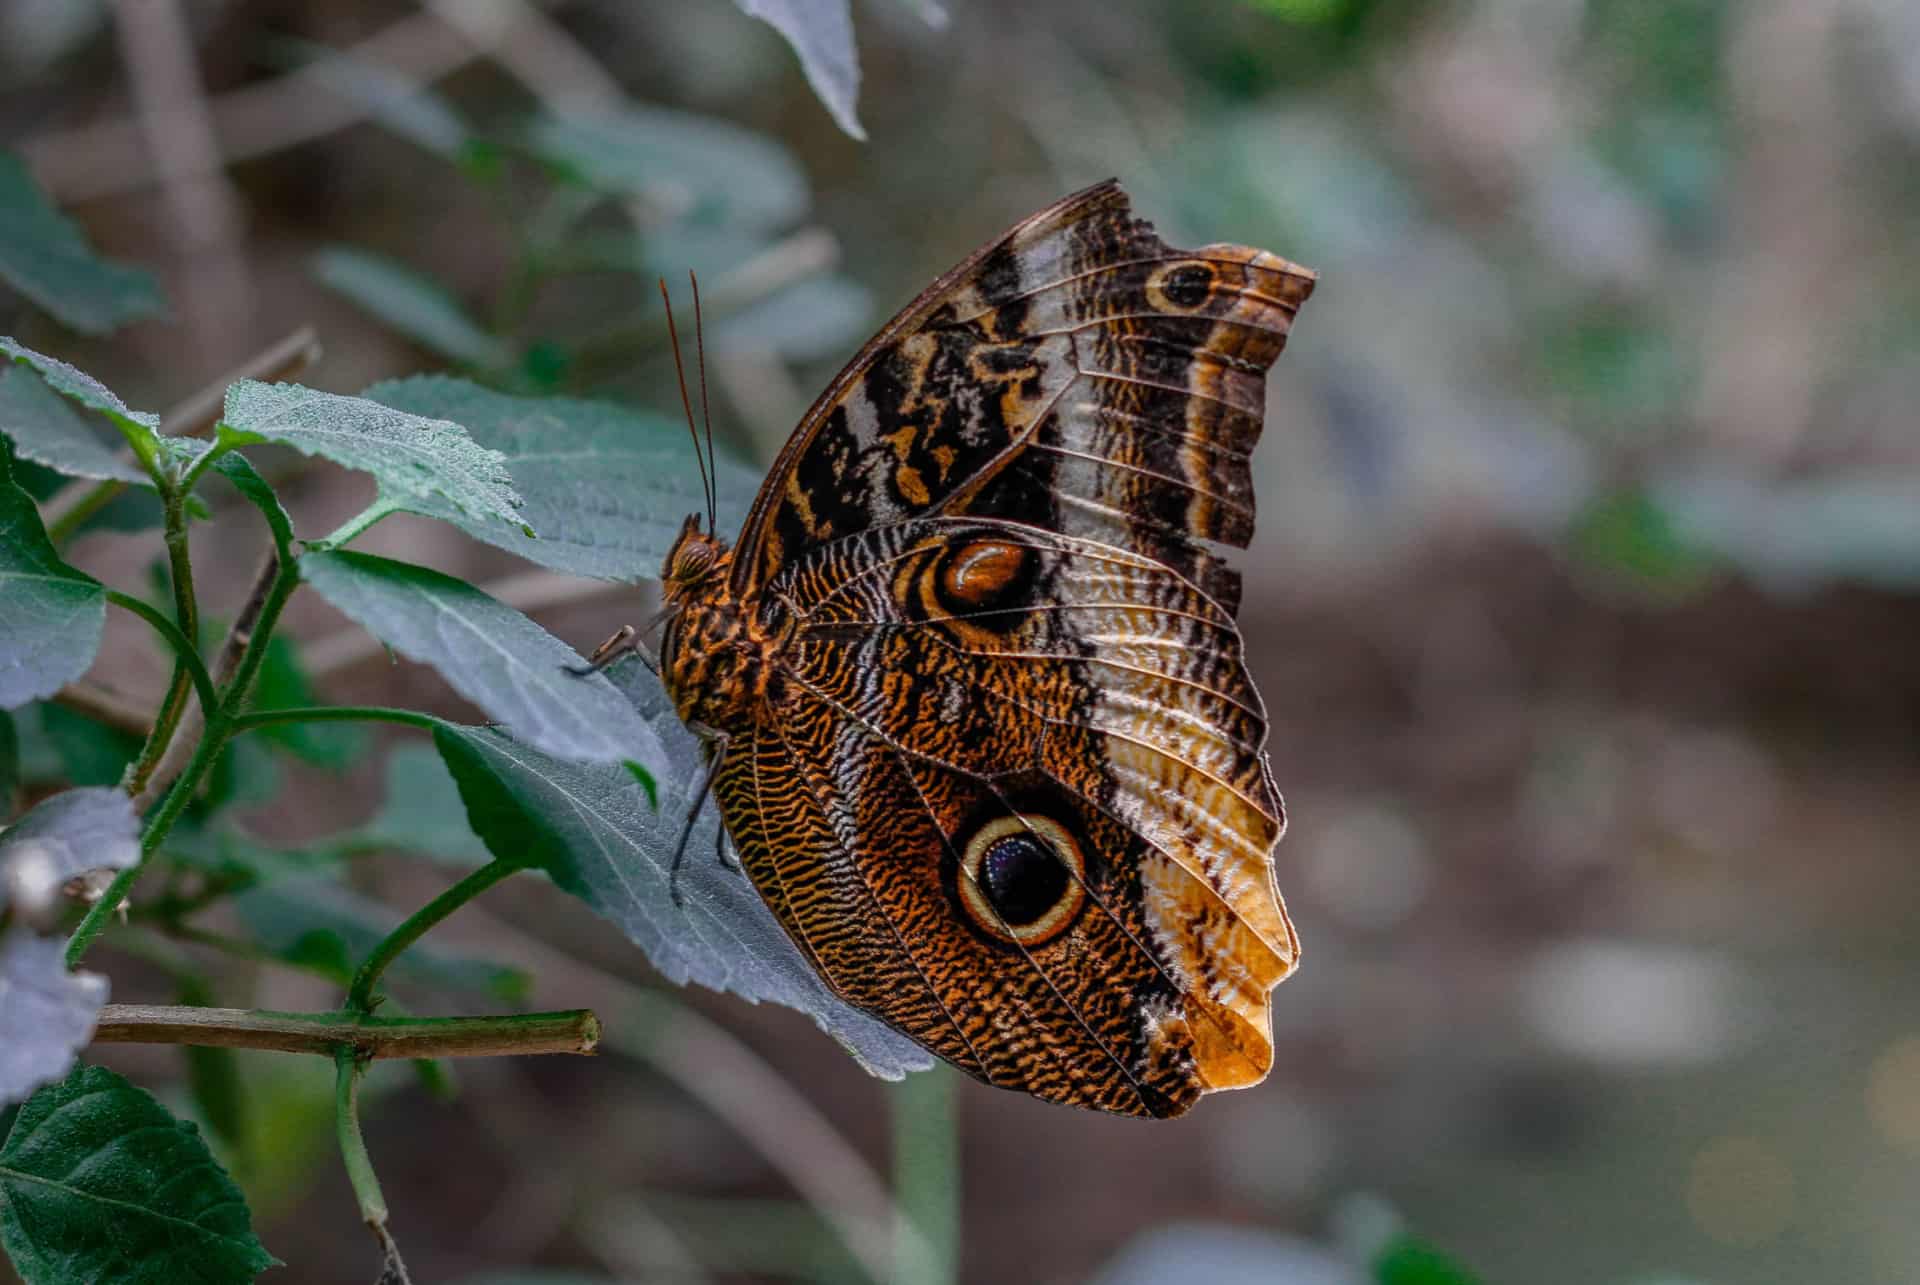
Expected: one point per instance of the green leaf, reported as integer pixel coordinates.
(316, 923)
(821, 33)
(1795, 535)
(426, 465)
(592, 828)
(47, 1012)
(422, 813)
(1406, 1261)
(45, 428)
(401, 105)
(604, 485)
(74, 832)
(491, 654)
(250, 484)
(414, 304)
(51, 616)
(283, 684)
(99, 1183)
(140, 428)
(826, 317)
(44, 256)
(90, 753)
(691, 167)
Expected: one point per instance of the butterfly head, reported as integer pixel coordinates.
(696, 563)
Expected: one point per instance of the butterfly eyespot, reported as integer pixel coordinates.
(977, 588)
(1180, 287)
(1022, 879)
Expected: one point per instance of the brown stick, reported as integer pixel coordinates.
(509, 1035)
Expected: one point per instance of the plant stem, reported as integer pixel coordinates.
(173, 501)
(926, 1179)
(416, 926)
(353, 1150)
(184, 652)
(365, 1038)
(330, 714)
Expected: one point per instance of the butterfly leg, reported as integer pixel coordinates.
(625, 641)
(716, 755)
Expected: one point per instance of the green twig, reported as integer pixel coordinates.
(417, 925)
(184, 652)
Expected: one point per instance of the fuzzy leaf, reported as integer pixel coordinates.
(51, 616)
(590, 826)
(68, 381)
(247, 480)
(690, 167)
(44, 428)
(491, 654)
(76, 831)
(44, 256)
(414, 304)
(606, 486)
(99, 1183)
(425, 464)
(46, 1012)
(422, 814)
(821, 33)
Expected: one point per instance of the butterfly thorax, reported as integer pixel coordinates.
(720, 657)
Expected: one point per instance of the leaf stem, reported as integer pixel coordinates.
(365, 1038)
(356, 525)
(330, 714)
(416, 926)
(187, 656)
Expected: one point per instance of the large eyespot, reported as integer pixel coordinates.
(1180, 287)
(1022, 879)
(979, 589)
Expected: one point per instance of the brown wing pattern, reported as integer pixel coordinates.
(993, 755)
(1099, 699)
(1078, 374)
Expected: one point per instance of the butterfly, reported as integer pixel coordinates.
(978, 715)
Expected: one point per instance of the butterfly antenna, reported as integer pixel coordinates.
(706, 412)
(686, 403)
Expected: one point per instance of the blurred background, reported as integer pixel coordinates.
(1585, 600)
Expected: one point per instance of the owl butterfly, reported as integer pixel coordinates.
(980, 720)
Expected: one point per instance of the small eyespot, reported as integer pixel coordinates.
(1180, 287)
(1022, 879)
